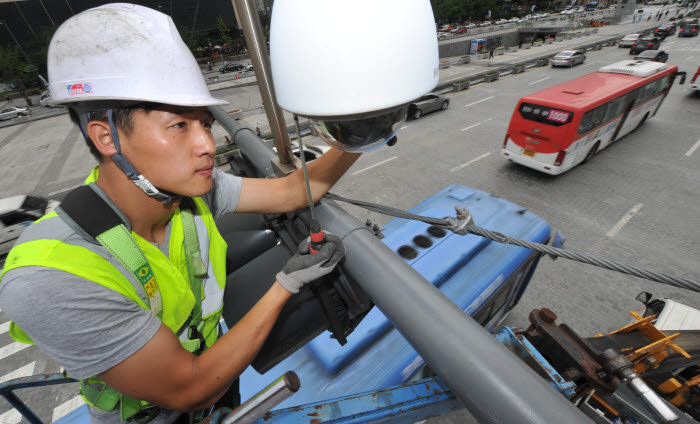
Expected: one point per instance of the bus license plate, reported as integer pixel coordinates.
(528, 153)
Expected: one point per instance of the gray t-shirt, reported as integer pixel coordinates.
(84, 326)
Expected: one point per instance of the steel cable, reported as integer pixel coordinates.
(542, 248)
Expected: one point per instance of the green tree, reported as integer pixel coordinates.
(14, 67)
(224, 33)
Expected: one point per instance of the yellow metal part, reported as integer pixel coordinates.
(651, 355)
(678, 394)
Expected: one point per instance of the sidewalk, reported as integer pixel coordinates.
(476, 67)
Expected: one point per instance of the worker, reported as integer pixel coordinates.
(135, 320)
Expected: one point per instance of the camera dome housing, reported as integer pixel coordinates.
(348, 69)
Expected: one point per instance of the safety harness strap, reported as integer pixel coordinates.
(85, 211)
(84, 207)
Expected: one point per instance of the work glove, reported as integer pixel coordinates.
(304, 267)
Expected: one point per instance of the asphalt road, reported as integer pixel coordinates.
(655, 167)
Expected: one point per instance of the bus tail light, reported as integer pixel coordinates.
(505, 141)
(560, 158)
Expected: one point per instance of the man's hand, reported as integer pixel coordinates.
(304, 267)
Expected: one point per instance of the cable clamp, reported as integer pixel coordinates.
(459, 225)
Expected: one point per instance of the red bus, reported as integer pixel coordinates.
(559, 127)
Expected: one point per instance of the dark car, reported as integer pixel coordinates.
(645, 43)
(690, 30)
(665, 31)
(426, 104)
(231, 67)
(653, 55)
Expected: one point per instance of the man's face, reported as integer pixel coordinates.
(173, 147)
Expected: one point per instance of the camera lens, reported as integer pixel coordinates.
(361, 134)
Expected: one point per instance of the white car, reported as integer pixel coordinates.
(470, 26)
(501, 22)
(12, 112)
(629, 40)
(16, 213)
(485, 24)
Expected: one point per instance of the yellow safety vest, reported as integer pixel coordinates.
(171, 274)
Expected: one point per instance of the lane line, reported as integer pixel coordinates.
(65, 408)
(457, 168)
(376, 164)
(404, 127)
(689, 57)
(479, 101)
(25, 371)
(693, 149)
(14, 347)
(471, 126)
(625, 219)
(11, 417)
(540, 80)
(4, 328)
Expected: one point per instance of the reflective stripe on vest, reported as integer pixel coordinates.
(50, 242)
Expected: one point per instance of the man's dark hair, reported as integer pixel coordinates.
(122, 118)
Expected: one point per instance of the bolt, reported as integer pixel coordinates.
(547, 315)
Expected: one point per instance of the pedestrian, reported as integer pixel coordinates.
(491, 54)
(666, 14)
(649, 18)
(209, 65)
(257, 131)
(126, 280)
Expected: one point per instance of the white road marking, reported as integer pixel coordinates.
(539, 80)
(25, 371)
(10, 417)
(479, 101)
(63, 409)
(689, 57)
(15, 347)
(625, 219)
(4, 327)
(693, 149)
(404, 127)
(376, 164)
(457, 168)
(471, 126)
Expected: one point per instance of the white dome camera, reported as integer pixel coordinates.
(352, 67)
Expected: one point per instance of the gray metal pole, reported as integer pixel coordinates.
(491, 382)
(248, 19)
(24, 17)
(251, 146)
(47, 13)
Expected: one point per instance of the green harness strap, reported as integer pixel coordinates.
(118, 241)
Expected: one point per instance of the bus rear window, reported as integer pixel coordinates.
(545, 114)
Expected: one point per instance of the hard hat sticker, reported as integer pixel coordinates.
(84, 88)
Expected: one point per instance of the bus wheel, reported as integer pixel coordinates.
(642, 121)
(591, 152)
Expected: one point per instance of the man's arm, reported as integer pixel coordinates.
(275, 195)
(164, 373)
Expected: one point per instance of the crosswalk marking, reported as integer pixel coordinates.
(4, 327)
(10, 417)
(15, 347)
(63, 409)
(24, 371)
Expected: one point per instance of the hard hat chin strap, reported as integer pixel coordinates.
(138, 179)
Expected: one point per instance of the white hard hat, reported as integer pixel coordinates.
(339, 58)
(124, 52)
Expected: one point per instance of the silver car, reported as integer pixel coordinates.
(12, 112)
(568, 58)
(628, 40)
(426, 104)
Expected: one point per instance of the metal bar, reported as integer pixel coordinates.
(247, 16)
(47, 13)
(493, 384)
(251, 146)
(24, 17)
(265, 400)
(21, 408)
(194, 20)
